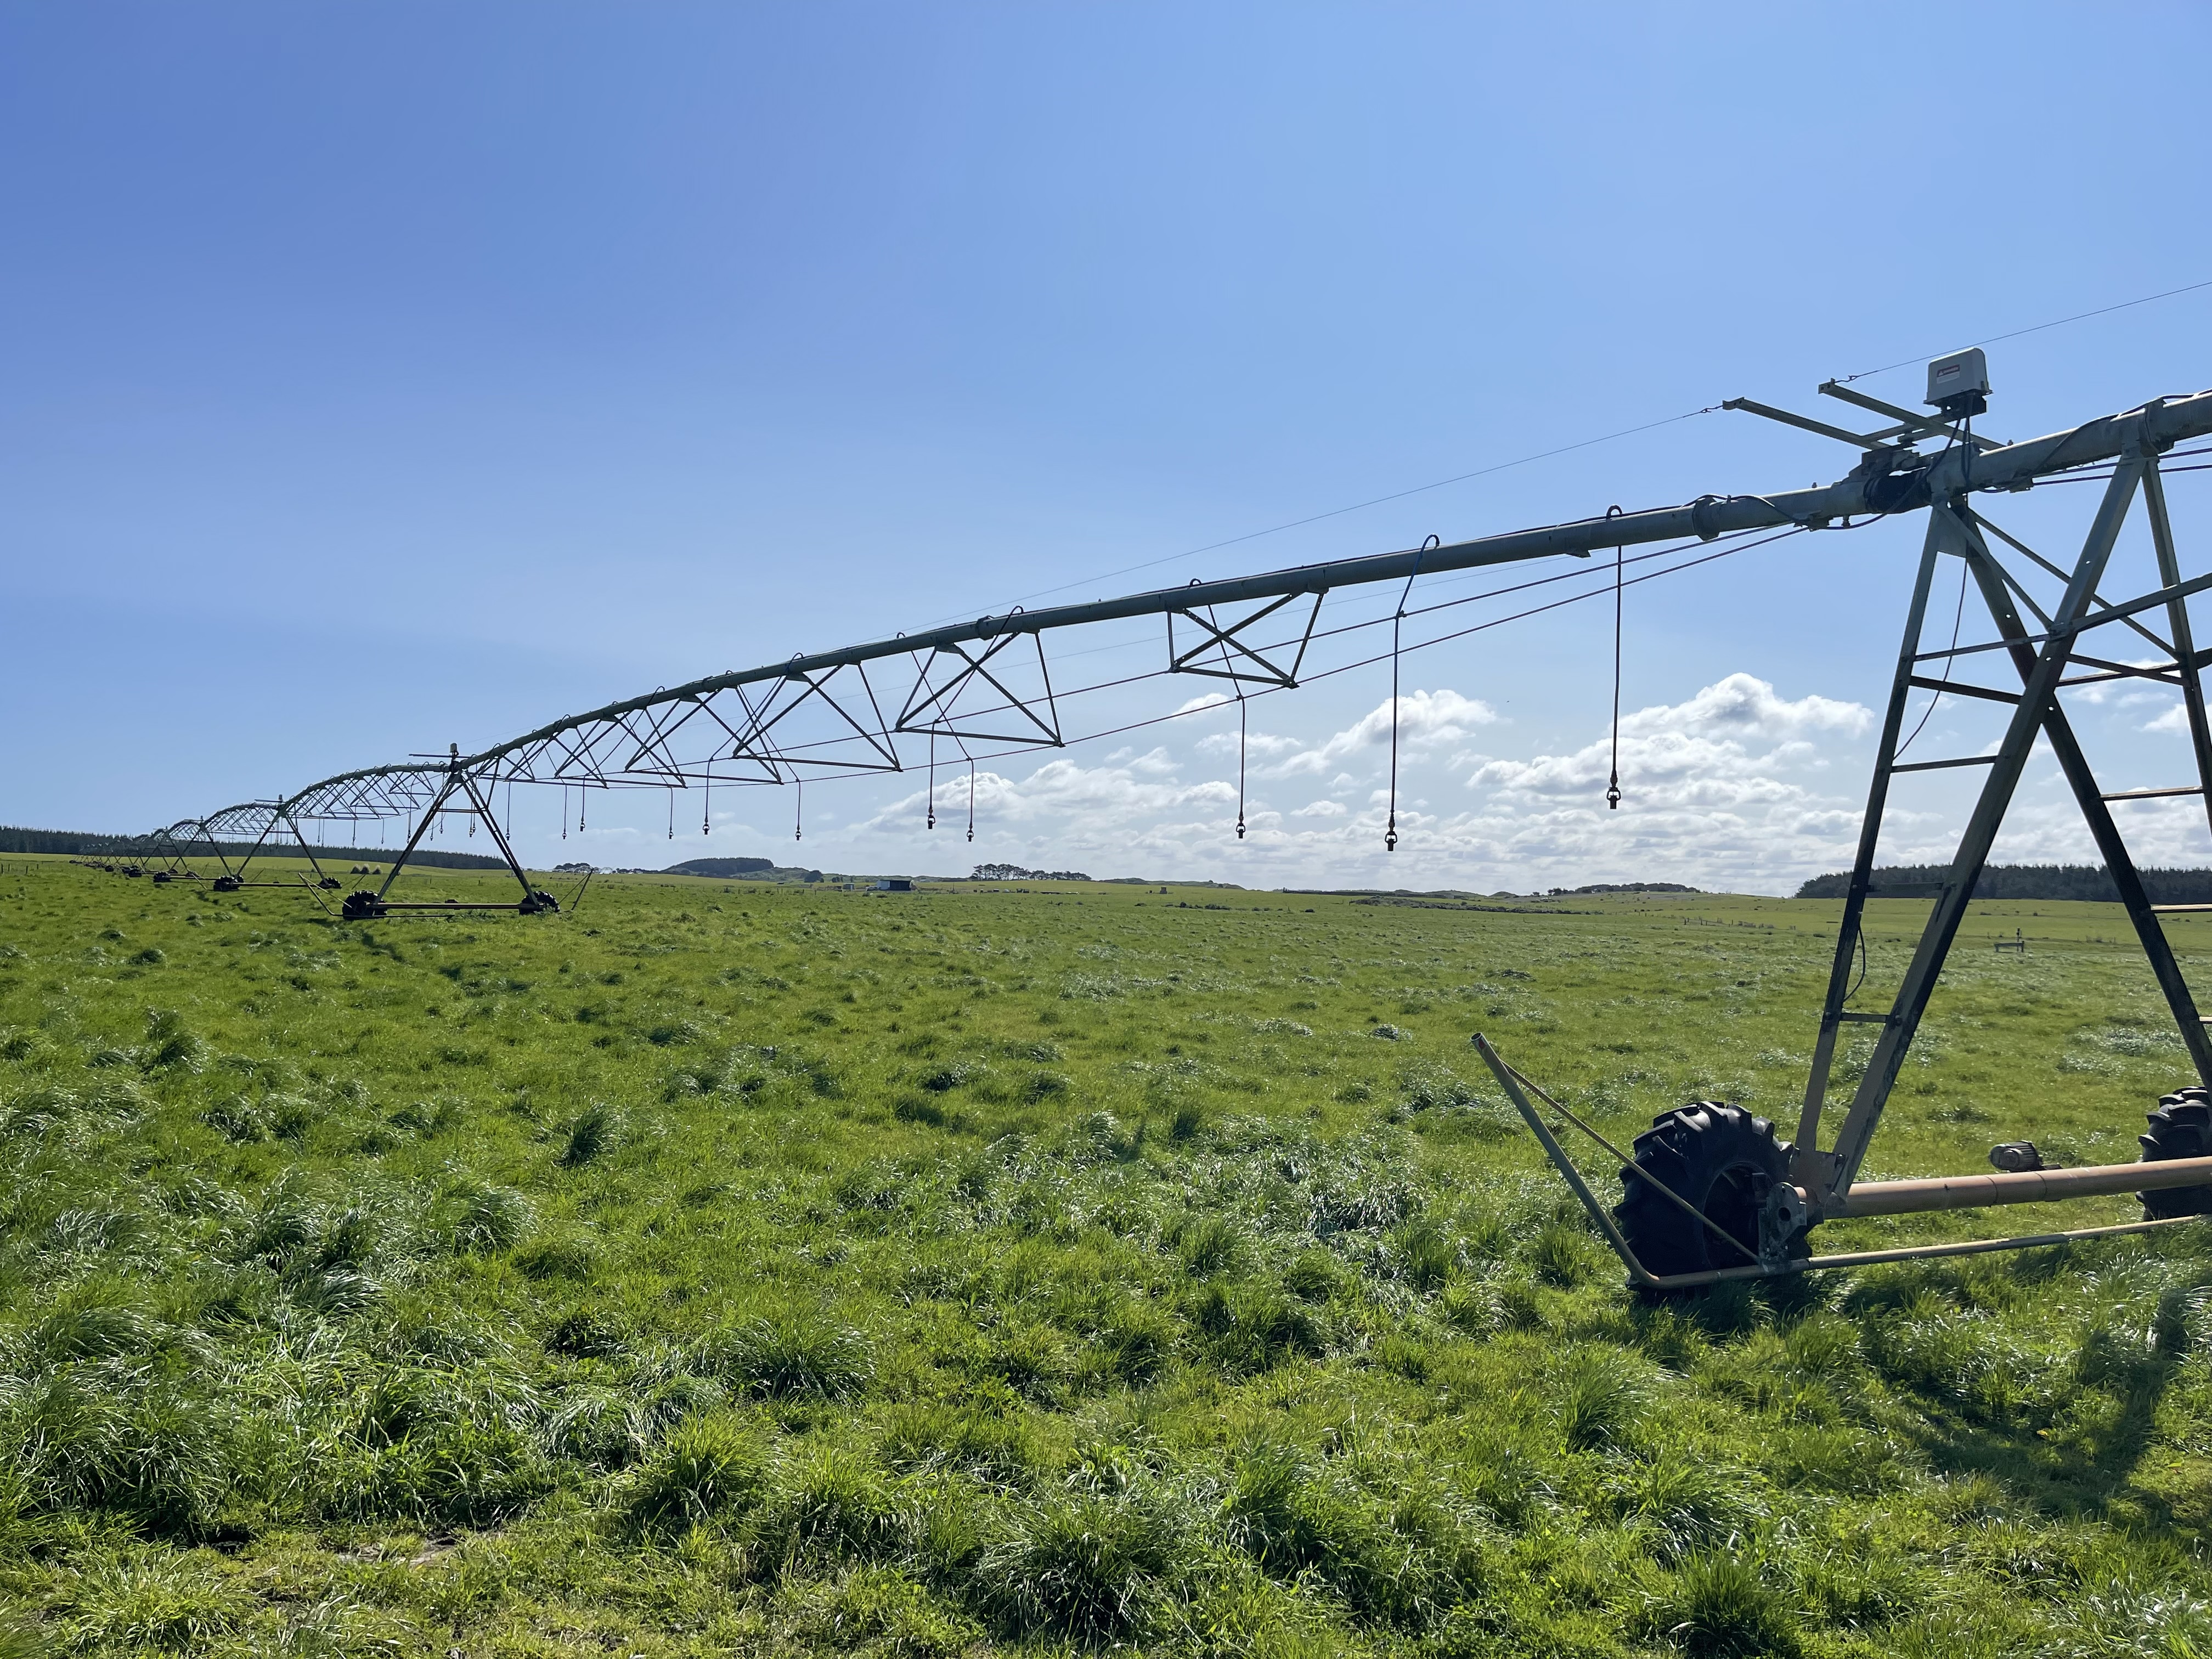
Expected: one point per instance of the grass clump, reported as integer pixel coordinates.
(706, 1470)
(591, 1134)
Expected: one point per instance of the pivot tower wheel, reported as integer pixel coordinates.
(2180, 1126)
(1718, 1159)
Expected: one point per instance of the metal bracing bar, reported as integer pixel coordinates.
(1804, 422)
(1561, 1161)
(1980, 522)
(1910, 1253)
(2176, 617)
(661, 722)
(2038, 704)
(1946, 765)
(1910, 422)
(2120, 671)
(1854, 896)
(2096, 618)
(1957, 689)
(2118, 860)
(1225, 639)
(1629, 1166)
(2155, 794)
(2172, 675)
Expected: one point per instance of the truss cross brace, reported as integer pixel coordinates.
(933, 709)
(1250, 664)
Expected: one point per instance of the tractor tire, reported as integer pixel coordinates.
(1716, 1157)
(2181, 1126)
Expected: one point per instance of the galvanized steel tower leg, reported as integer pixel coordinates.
(1833, 1016)
(2185, 646)
(2037, 699)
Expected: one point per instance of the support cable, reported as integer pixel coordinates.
(1613, 783)
(1236, 684)
(1390, 829)
(1242, 713)
(1957, 617)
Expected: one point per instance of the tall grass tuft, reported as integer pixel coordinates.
(794, 1354)
(146, 1602)
(169, 1044)
(1600, 1399)
(1719, 1608)
(703, 1470)
(481, 1220)
(1292, 1520)
(1085, 1564)
(591, 1134)
(831, 1499)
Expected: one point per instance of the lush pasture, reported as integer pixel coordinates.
(742, 1268)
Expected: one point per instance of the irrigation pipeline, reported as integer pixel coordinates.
(1890, 480)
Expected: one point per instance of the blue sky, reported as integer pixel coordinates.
(375, 377)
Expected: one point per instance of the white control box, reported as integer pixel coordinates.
(1961, 376)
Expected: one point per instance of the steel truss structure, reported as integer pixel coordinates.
(990, 681)
(2047, 651)
(822, 714)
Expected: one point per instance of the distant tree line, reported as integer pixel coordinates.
(1015, 872)
(2092, 882)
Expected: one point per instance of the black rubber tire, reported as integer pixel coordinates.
(1717, 1157)
(2181, 1126)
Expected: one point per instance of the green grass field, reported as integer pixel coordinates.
(741, 1268)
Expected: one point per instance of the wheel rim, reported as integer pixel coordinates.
(1733, 1203)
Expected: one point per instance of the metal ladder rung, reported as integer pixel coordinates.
(2154, 794)
(2180, 910)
